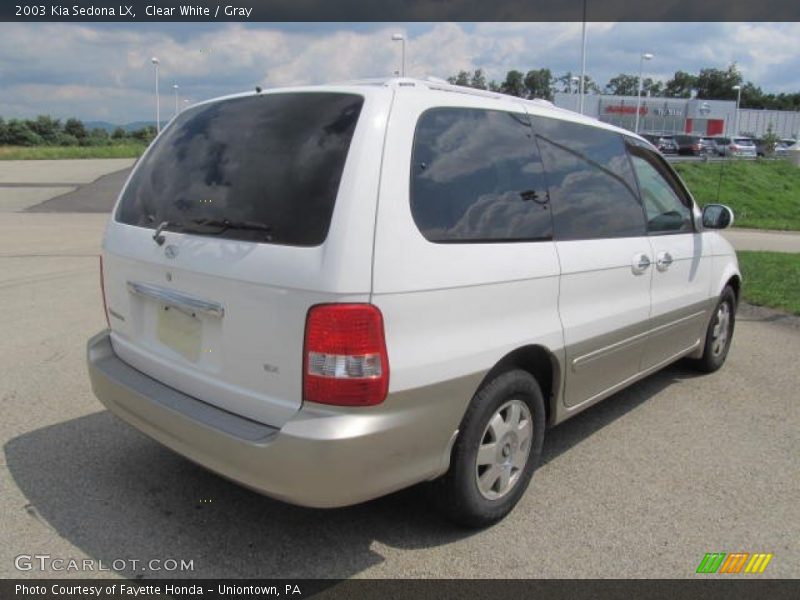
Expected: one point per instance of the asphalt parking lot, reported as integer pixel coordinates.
(641, 485)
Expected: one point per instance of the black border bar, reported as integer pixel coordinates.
(402, 10)
(715, 588)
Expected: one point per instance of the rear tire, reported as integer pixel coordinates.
(719, 333)
(498, 447)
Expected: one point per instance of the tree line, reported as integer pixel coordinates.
(47, 131)
(710, 84)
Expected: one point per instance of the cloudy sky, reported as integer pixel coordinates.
(103, 71)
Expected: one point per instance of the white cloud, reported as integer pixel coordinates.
(105, 72)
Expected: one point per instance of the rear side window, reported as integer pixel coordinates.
(476, 177)
(592, 186)
(260, 168)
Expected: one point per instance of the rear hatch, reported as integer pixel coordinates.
(222, 239)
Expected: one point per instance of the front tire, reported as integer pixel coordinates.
(498, 447)
(719, 333)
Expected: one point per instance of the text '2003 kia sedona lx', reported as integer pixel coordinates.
(330, 293)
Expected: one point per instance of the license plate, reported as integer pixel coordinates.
(180, 332)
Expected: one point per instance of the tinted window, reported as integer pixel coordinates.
(476, 177)
(271, 161)
(666, 206)
(592, 187)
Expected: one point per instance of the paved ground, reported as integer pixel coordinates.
(98, 196)
(754, 239)
(642, 485)
(65, 171)
(20, 197)
(26, 183)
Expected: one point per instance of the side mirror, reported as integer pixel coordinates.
(717, 216)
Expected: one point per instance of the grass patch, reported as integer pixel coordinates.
(128, 150)
(764, 194)
(771, 279)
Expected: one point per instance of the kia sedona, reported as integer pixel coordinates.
(330, 293)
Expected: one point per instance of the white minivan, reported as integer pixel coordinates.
(330, 293)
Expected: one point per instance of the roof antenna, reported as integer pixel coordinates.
(258, 89)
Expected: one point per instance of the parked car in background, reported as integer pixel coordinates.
(721, 143)
(695, 145)
(738, 147)
(664, 142)
(781, 147)
(742, 147)
(710, 144)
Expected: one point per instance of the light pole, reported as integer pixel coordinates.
(645, 56)
(738, 89)
(583, 60)
(154, 60)
(399, 37)
(177, 110)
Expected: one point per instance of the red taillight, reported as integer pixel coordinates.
(103, 291)
(344, 355)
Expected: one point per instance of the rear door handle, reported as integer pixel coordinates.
(663, 261)
(640, 263)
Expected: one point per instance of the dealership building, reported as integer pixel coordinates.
(684, 115)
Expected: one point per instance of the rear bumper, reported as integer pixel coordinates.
(323, 457)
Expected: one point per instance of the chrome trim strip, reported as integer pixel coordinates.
(177, 299)
(569, 411)
(580, 360)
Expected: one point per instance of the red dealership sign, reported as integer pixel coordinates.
(622, 109)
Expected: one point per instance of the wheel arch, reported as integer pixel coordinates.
(735, 282)
(541, 363)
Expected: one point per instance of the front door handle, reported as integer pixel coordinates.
(640, 263)
(663, 261)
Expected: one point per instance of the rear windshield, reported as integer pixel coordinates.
(260, 168)
(743, 141)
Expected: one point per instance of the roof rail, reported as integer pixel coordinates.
(433, 83)
(366, 81)
(438, 84)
